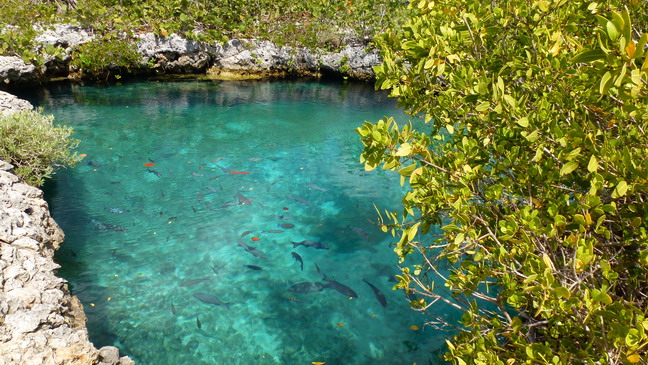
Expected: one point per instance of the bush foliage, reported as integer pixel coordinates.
(534, 164)
(30, 142)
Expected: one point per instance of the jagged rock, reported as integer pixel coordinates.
(41, 323)
(173, 54)
(63, 35)
(13, 70)
(11, 104)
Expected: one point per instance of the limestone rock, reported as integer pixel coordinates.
(173, 54)
(11, 104)
(13, 70)
(63, 35)
(41, 323)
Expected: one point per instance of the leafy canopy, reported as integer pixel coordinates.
(534, 163)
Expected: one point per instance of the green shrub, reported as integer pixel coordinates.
(30, 142)
(535, 167)
(102, 56)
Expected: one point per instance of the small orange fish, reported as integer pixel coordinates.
(414, 327)
(149, 164)
(340, 324)
(82, 155)
(318, 363)
(255, 239)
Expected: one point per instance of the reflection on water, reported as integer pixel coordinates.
(230, 222)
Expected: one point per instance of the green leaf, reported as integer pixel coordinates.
(523, 122)
(593, 165)
(589, 56)
(606, 83)
(568, 168)
(620, 190)
(404, 150)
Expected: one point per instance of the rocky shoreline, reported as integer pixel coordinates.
(41, 323)
(236, 59)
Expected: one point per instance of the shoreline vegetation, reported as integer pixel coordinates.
(105, 40)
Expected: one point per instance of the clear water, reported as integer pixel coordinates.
(135, 234)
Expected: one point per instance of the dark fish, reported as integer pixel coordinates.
(213, 178)
(216, 269)
(217, 159)
(173, 310)
(171, 219)
(336, 285)
(245, 233)
(274, 231)
(231, 204)
(106, 226)
(210, 299)
(360, 232)
(286, 225)
(253, 267)
(151, 161)
(94, 164)
(286, 217)
(306, 287)
(118, 210)
(296, 256)
(194, 209)
(243, 200)
(198, 323)
(251, 249)
(193, 282)
(156, 173)
(211, 188)
(379, 295)
(297, 199)
(309, 243)
(209, 207)
(222, 168)
(392, 279)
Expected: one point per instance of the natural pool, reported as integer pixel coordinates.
(189, 219)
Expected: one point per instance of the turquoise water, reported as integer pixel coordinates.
(278, 159)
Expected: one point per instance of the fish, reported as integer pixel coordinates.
(273, 231)
(251, 249)
(213, 178)
(118, 210)
(156, 173)
(231, 204)
(106, 226)
(94, 164)
(300, 200)
(286, 225)
(217, 159)
(209, 207)
(296, 256)
(286, 217)
(309, 243)
(173, 309)
(253, 267)
(360, 232)
(222, 168)
(210, 299)
(243, 200)
(211, 188)
(216, 269)
(336, 285)
(315, 187)
(306, 287)
(198, 323)
(193, 281)
(379, 295)
(200, 195)
(194, 209)
(245, 233)
(151, 161)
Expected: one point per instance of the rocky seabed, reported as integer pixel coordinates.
(41, 323)
(238, 58)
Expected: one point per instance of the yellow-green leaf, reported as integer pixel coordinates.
(404, 150)
(568, 168)
(606, 83)
(620, 190)
(523, 122)
(593, 165)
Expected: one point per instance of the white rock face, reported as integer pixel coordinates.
(63, 35)
(15, 70)
(10, 104)
(40, 321)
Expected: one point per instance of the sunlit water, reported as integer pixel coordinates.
(174, 176)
